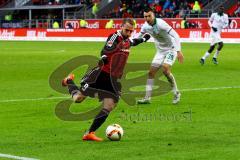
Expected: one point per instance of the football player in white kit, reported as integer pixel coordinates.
(217, 22)
(168, 46)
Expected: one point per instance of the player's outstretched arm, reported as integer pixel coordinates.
(137, 41)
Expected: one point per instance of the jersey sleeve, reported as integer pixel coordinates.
(176, 39)
(136, 41)
(110, 45)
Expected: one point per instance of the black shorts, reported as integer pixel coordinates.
(97, 83)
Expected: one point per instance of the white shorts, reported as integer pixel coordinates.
(161, 57)
(215, 37)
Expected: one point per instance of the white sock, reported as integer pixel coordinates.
(207, 54)
(216, 54)
(149, 87)
(173, 83)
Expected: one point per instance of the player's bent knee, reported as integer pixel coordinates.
(166, 70)
(109, 104)
(211, 49)
(151, 74)
(78, 98)
(220, 45)
(109, 108)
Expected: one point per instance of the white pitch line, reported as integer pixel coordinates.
(31, 99)
(15, 157)
(67, 97)
(213, 88)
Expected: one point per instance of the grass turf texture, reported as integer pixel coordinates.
(31, 129)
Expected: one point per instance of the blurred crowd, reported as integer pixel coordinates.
(162, 8)
(66, 2)
(3, 2)
(237, 11)
(127, 8)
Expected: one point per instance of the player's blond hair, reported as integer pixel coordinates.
(128, 20)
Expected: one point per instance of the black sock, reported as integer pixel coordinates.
(72, 87)
(99, 120)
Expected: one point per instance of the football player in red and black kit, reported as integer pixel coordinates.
(102, 81)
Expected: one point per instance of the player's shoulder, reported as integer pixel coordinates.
(145, 25)
(213, 14)
(160, 20)
(114, 36)
(225, 15)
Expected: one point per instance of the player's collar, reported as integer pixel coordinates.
(220, 14)
(121, 35)
(154, 22)
(119, 32)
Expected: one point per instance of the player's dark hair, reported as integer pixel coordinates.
(221, 7)
(148, 9)
(128, 20)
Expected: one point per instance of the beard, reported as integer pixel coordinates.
(220, 13)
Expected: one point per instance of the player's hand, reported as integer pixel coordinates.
(214, 29)
(146, 37)
(103, 60)
(180, 57)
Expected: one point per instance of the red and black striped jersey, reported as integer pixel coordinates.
(116, 49)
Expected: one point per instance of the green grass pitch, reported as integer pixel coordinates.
(208, 127)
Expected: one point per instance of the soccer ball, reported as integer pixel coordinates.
(114, 132)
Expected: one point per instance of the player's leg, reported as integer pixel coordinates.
(156, 63)
(215, 37)
(166, 67)
(149, 85)
(73, 89)
(207, 54)
(108, 91)
(150, 81)
(167, 72)
(220, 46)
(108, 106)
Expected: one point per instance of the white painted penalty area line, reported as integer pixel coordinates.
(67, 97)
(16, 157)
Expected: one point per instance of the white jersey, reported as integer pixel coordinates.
(165, 37)
(218, 21)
